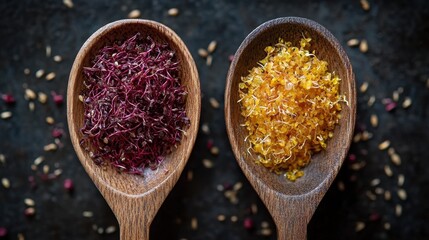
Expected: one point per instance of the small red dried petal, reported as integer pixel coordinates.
(374, 217)
(32, 182)
(231, 57)
(29, 212)
(8, 98)
(352, 157)
(68, 184)
(3, 232)
(57, 133)
(210, 144)
(390, 106)
(248, 223)
(58, 99)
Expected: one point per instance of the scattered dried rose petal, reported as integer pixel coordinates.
(248, 223)
(231, 57)
(57, 132)
(29, 212)
(8, 98)
(374, 217)
(3, 232)
(68, 185)
(58, 99)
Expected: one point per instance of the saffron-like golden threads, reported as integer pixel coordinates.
(291, 104)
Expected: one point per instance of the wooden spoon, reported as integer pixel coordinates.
(134, 199)
(291, 204)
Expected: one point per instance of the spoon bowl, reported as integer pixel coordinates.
(291, 204)
(134, 199)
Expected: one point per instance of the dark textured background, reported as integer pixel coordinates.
(398, 37)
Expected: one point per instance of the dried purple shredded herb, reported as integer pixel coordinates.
(134, 105)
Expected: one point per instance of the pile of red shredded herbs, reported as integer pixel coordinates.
(134, 105)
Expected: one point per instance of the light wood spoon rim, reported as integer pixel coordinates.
(135, 199)
(291, 204)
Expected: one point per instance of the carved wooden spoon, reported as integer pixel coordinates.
(291, 204)
(134, 199)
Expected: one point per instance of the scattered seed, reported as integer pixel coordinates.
(38, 160)
(221, 217)
(45, 169)
(388, 171)
(29, 212)
(40, 73)
(371, 196)
(214, 103)
(402, 194)
(48, 51)
(110, 229)
(27, 71)
(386, 226)
(398, 210)
(396, 159)
(207, 163)
(42, 97)
(363, 46)
(33, 167)
(353, 42)
(203, 53)
(29, 202)
(68, 3)
(100, 230)
(212, 46)
(266, 232)
(58, 172)
(5, 182)
(265, 224)
(357, 137)
(379, 190)
(237, 186)
(57, 58)
(366, 135)
(234, 218)
(374, 120)
(407, 102)
(359, 226)
(384, 145)
(375, 182)
(401, 180)
(427, 83)
(363, 87)
(30, 94)
(357, 166)
(50, 76)
(31, 106)
(209, 60)
(341, 186)
(387, 195)
(194, 223)
(189, 175)
(364, 4)
(6, 115)
(134, 14)
(214, 151)
(87, 214)
(50, 147)
(2, 158)
(80, 98)
(395, 96)
(205, 128)
(173, 12)
(371, 101)
(254, 208)
(50, 120)
(220, 187)
(391, 151)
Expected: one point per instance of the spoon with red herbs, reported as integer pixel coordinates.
(291, 204)
(133, 108)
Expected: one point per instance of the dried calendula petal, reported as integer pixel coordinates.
(364, 87)
(275, 97)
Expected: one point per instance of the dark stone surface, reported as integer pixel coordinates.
(398, 36)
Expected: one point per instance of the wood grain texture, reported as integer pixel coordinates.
(134, 199)
(291, 204)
